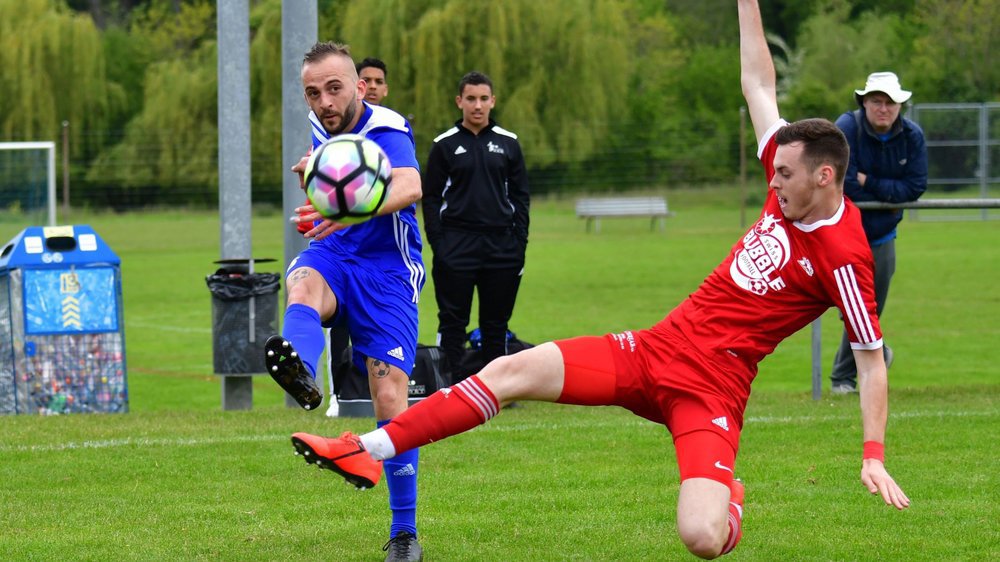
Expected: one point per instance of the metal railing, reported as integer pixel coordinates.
(817, 325)
(961, 148)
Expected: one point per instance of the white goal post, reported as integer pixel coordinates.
(51, 172)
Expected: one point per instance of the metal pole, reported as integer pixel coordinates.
(984, 156)
(233, 30)
(933, 204)
(299, 24)
(252, 309)
(914, 112)
(65, 143)
(52, 183)
(234, 121)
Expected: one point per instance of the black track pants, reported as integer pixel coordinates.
(497, 290)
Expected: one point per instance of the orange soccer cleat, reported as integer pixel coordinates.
(344, 455)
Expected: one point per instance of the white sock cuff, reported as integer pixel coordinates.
(378, 444)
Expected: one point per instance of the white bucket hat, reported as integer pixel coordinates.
(885, 82)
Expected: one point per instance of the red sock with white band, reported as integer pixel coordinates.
(447, 412)
(735, 517)
(735, 528)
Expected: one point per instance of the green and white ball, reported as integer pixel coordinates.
(348, 178)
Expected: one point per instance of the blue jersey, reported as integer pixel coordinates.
(388, 242)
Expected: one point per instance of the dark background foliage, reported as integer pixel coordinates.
(606, 95)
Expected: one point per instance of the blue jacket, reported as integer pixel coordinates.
(896, 170)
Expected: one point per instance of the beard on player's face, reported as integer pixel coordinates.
(346, 119)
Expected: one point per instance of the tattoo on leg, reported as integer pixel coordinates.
(379, 369)
(297, 276)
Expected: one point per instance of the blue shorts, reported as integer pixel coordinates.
(375, 304)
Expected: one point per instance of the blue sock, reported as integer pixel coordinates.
(304, 330)
(401, 478)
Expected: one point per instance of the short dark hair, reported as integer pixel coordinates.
(822, 142)
(474, 78)
(320, 51)
(372, 62)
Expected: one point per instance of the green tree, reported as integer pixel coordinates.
(169, 150)
(955, 58)
(559, 67)
(172, 140)
(54, 70)
(640, 132)
(835, 54)
(604, 94)
(699, 22)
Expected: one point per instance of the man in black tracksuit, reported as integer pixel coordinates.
(475, 208)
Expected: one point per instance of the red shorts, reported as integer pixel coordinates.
(663, 379)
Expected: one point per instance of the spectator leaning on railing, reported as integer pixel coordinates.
(888, 163)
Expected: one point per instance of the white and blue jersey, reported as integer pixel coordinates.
(375, 268)
(391, 241)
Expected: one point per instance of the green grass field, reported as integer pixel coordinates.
(179, 479)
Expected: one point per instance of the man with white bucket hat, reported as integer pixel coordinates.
(888, 163)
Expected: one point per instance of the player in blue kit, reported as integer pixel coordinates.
(366, 276)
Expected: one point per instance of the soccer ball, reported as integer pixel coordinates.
(348, 178)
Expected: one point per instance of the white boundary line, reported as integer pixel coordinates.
(196, 442)
(168, 328)
(141, 442)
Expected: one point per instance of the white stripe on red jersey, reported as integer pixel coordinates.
(854, 304)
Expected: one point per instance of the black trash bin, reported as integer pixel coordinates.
(244, 315)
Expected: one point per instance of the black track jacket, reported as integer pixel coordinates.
(476, 184)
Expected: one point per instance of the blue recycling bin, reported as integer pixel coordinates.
(62, 342)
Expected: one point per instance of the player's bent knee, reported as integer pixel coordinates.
(389, 394)
(505, 365)
(390, 400)
(704, 541)
(533, 374)
(296, 295)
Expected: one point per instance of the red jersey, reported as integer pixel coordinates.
(778, 278)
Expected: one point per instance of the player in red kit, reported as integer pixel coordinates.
(692, 371)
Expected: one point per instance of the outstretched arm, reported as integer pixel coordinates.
(874, 389)
(757, 69)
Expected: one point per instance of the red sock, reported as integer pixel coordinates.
(735, 528)
(447, 412)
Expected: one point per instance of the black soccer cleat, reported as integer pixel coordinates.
(403, 548)
(285, 367)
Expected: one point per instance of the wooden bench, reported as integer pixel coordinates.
(595, 209)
